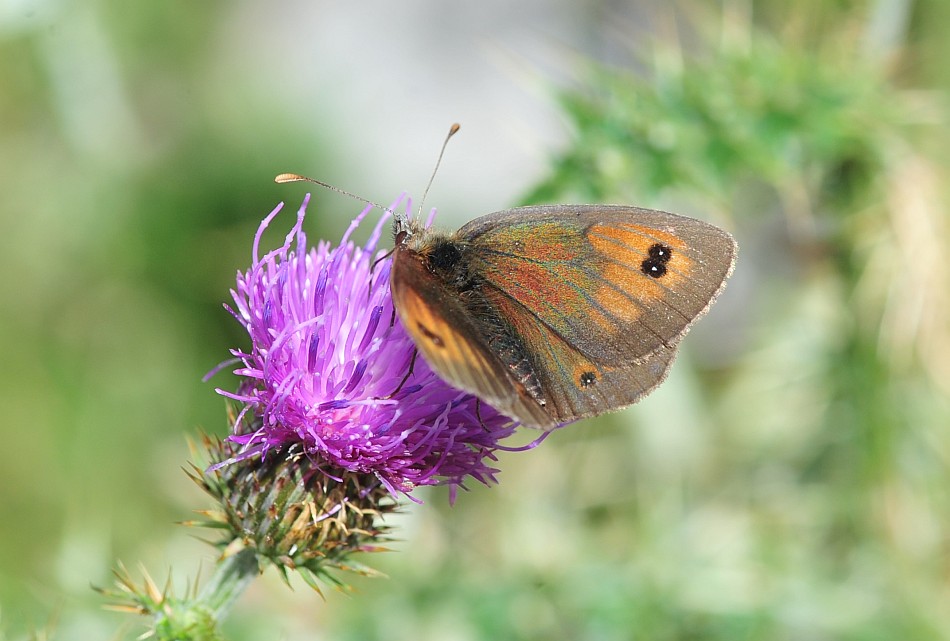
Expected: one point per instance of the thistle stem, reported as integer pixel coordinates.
(231, 577)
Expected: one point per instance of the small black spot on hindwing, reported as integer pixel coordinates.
(587, 379)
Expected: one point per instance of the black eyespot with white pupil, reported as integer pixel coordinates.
(659, 256)
(587, 379)
(660, 252)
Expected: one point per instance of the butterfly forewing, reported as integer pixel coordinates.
(616, 283)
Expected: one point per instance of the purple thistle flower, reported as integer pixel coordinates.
(328, 354)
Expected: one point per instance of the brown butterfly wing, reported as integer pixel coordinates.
(573, 385)
(582, 272)
(452, 340)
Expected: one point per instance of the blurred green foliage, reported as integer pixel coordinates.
(790, 480)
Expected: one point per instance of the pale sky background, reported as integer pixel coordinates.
(392, 77)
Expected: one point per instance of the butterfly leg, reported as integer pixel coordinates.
(372, 271)
(478, 413)
(392, 319)
(412, 365)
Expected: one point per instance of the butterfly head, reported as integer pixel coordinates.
(404, 228)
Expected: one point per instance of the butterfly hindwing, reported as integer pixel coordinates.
(572, 385)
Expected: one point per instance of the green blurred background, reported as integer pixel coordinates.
(790, 481)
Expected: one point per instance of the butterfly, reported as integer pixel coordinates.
(556, 313)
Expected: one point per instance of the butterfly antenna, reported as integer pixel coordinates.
(296, 178)
(445, 143)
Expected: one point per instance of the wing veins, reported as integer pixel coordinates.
(612, 239)
(623, 292)
(591, 301)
